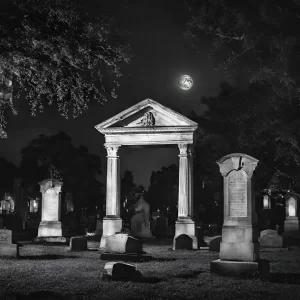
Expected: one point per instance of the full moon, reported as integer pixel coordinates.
(185, 82)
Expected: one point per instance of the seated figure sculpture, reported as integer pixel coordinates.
(140, 223)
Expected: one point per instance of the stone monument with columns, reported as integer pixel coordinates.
(149, 123)
(291, 222)
(50, 225)
(112, 222)
(185, 223)
(239, 249)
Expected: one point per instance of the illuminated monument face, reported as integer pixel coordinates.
(185, 82)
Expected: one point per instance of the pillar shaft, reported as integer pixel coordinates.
(185, 224)
(112, 222)
(113, 182)
(185, 193)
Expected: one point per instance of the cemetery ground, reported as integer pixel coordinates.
(180, 274)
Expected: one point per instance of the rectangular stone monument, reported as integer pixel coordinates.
(50, 225)
(7, 248)
(239, 249)
(291, 205)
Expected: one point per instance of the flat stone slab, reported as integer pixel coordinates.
(125, 257)
(123, 243)
(78, 243)
(9, 250)
(120, 271)
(239, 268)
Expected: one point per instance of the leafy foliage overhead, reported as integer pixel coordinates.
(262, 38)
(53, 52)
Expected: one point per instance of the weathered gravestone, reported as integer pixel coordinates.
(50, 225)
(291, 207)
(183, 241)
(239, 249)
(120, 271)
(7, 248)
(214, 243)
(270, 239)
(78, 243)
(123, 243)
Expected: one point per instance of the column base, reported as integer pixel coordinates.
(238, 268)
(111, 225)
(185, 234)
(50, 229)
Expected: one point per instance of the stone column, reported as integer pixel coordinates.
(239, 249)
(112, 222)
(185, 224)
(50, 225)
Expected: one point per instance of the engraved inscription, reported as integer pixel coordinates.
(237, 192)
(50, 203)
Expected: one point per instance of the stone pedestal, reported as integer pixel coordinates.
(291, 223)
(50, 225)
(239, 249)
(185, 224)
(112, 222)
(50, 228)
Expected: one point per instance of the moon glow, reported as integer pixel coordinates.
(185, 82)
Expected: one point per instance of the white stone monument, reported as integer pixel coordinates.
(50, 225)
(291, 222)
(140, 222)
(149, 123)
(239, 249)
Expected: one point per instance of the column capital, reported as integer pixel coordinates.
(186, 150)
(112, 150)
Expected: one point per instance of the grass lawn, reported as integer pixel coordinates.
(177, 274)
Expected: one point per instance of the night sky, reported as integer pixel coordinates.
(162, 53)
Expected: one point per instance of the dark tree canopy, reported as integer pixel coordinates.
(56, 157)
(52, 52)
(163, 189)
(260, 37)
(247, 121)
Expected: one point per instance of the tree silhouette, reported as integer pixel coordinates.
(53, 52)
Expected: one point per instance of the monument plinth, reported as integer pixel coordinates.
(50, 225)
(239, 249)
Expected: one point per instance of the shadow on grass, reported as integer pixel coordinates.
(41, 295)
(162, 259)
(290, 278)
(46, 257)
(193, 274)
(138, 278)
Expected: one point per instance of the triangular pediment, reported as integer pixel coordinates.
(147, 113)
